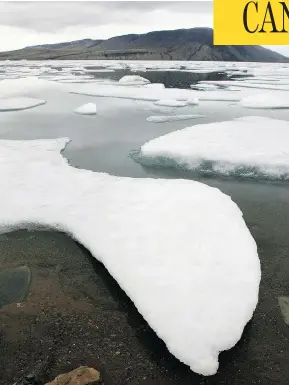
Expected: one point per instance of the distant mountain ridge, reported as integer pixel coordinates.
(182, 44)
(88, 42)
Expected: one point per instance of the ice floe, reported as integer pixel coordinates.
(247, 147)
(172, 118)
(170, 103)
(245, 84)
(273, 100)
(86, 109)
(204, 87)
(100, 70)
(154, 94)
(232, 88)
(19, 103)
(155, 85)
(179, 249)
(24, 86)
(252, 70)
(70, 78)
(133, 80)
(161, 110)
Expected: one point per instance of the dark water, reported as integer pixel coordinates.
(103, 143)
(168, 78)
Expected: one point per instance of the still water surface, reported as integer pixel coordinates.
(104, 142)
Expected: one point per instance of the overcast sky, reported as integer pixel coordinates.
(31, 23)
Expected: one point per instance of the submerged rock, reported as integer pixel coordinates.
(284, 306)
(81, 376)
(14, 285)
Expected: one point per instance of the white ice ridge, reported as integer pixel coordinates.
(154, 94)
(19, 103)
(86, 109)
(172, 118)
(247, 146)
(179, 249)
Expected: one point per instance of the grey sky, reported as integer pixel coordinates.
(54, 16)
(31, 23)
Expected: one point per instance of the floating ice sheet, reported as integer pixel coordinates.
(172, 118)
(204, 87)
(24, 87)
(154, 94)
(20, 103)
(180, 249)
(133, 80)
(273, 100)
(245, 84)
(248, 147)
(170, 103)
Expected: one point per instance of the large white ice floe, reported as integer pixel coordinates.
(86, 109)
(133, 80)
(273, 100)
(180, 249)
(172, 118)
(19, 103)
(247, 147)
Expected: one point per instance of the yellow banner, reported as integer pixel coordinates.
(245, 22)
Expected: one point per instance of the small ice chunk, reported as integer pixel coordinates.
(171, 103)
(193, 101)
(172, 118)
(273, 100)
(133, 80)
(21, 103)
(86, 109)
